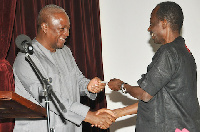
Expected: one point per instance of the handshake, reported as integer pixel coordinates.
(103, 118)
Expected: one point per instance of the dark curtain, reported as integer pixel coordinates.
(85, 43)
(84, 40)
(7, 14)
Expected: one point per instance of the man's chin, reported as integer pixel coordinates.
(156, 42)
(60, 46)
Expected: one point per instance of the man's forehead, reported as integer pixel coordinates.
(154, 10)
(153, 13)
(58, 17)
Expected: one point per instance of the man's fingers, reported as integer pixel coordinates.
(110, 112)
(111, 118)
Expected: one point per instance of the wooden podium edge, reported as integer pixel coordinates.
(32, 110)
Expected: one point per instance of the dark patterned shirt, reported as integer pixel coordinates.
(171, 79)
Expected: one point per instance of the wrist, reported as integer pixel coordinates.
(88, 116)
(117, 113)
(123, 89)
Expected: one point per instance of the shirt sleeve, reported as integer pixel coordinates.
(82, 80)
(159, 72)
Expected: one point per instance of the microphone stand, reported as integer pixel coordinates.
(47, 93)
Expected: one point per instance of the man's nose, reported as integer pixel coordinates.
(66, 32)
(149, 30)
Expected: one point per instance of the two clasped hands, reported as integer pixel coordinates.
(103, 118)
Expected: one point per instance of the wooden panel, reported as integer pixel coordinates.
(13, 105)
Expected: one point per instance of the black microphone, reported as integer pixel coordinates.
(24, 43)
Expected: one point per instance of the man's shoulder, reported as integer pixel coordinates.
(20, 57)
(20, 63)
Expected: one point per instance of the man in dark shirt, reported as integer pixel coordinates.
(167, 93)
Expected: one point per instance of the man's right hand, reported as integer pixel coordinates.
(115, 84)
(103, 120)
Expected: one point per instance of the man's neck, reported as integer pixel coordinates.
(171, 36)
(42, 41)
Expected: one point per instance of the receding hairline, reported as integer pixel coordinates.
(47, 12)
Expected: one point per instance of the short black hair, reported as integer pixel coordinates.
(172, 12)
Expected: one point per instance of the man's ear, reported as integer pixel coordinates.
(44, 27)
(164, 23)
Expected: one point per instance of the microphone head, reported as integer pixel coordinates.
(22, 39)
